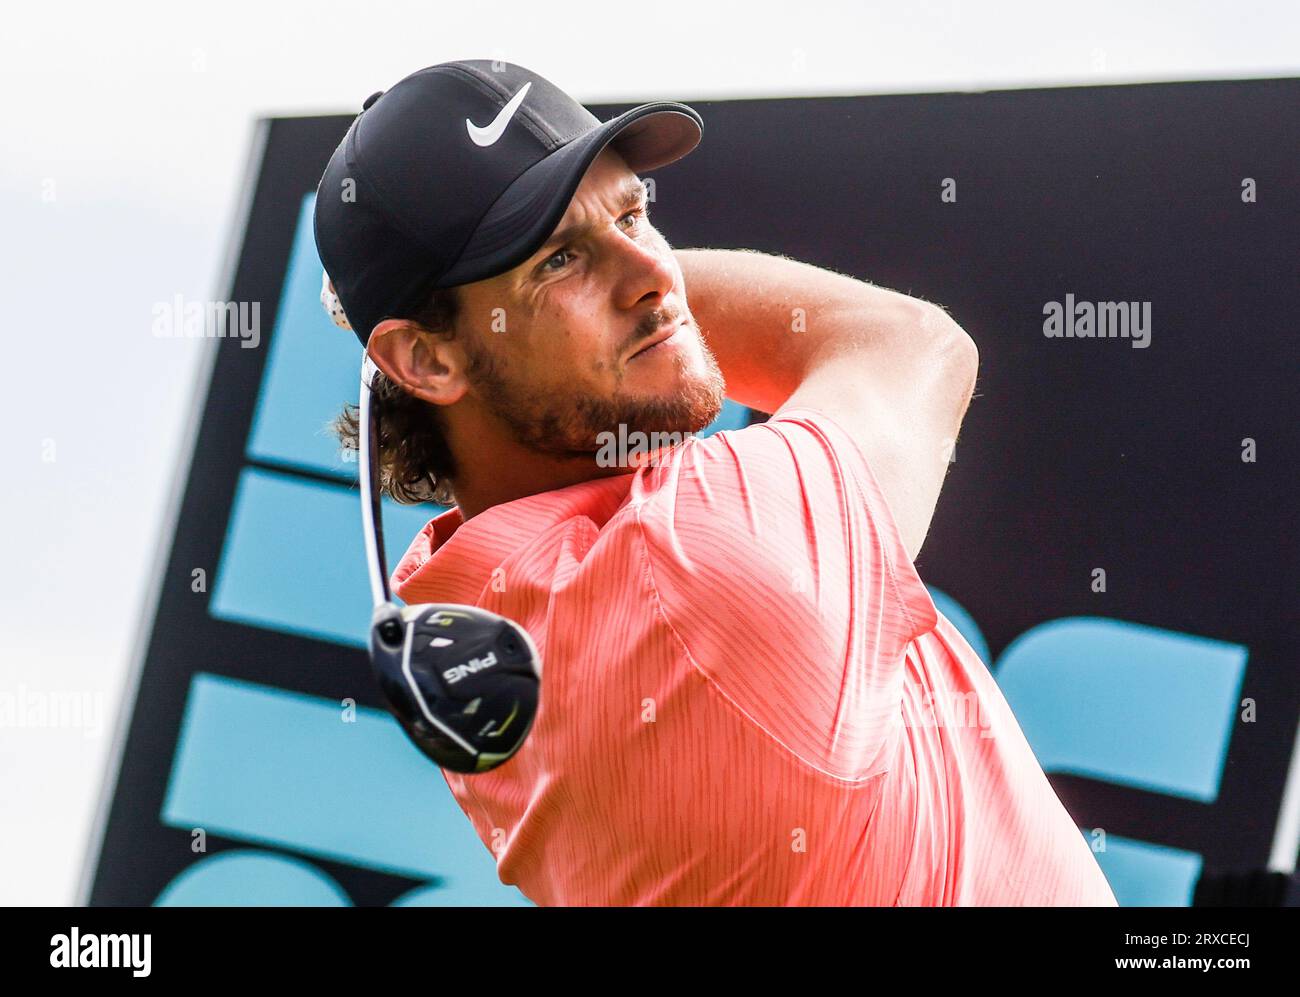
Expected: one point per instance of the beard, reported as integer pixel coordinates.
(569, 423)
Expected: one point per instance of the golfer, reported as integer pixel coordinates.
(747, 694)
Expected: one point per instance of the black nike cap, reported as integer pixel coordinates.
(460, 172)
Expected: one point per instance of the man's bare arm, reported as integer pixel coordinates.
(895, 371)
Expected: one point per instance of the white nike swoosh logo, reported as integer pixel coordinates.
(487, 136)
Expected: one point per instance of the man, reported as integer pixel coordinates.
(748, 696)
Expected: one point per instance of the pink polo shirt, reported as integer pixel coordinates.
(748, 696)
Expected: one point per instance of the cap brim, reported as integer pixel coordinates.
(524, 216)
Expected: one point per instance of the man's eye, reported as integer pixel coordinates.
(546, 263)
(637, 215)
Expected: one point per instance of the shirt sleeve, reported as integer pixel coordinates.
(778, 565)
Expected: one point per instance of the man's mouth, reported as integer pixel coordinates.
(663, 335)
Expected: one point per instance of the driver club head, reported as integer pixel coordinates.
(463, 682)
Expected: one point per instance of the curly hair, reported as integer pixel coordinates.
(415, 461)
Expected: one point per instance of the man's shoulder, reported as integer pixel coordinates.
(770, 476)
(739, 508)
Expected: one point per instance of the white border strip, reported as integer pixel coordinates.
(1286, 839)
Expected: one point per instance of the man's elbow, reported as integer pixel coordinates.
(958, 360)
(965, 357)
(945, 331)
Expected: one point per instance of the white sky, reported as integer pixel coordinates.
(138, 118)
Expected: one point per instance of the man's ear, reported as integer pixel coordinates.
(424, 363)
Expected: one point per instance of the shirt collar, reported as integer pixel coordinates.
(452, 560)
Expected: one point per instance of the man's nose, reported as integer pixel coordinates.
(645, 268)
